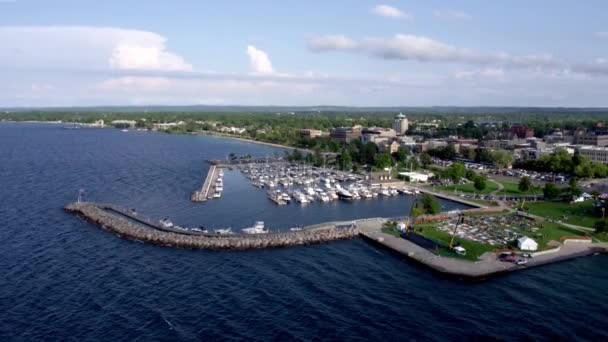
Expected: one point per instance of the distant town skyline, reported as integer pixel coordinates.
(345, 53)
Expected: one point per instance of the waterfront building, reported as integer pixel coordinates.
(400, 124)
(416, 177)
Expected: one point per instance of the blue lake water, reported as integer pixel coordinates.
(64, 279)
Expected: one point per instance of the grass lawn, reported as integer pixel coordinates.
(474, 249)
(390, 230)
(468, 188)
(513, 189)
(551, 231)
(581, 214)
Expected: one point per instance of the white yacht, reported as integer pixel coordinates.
(258, 228)
(166, 223)
(225, 231)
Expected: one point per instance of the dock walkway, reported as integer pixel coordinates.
(203, 194)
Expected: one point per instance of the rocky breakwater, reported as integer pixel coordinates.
(134, 230)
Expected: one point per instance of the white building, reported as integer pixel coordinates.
(400, 124)
(416, 177)
(526, 244)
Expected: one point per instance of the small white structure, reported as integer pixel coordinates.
(460, 250)
(524, 243)
(416, 177)
(401, 226)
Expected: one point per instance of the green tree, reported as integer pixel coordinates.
(480, 183)
(402, 154)
(470, 174)
(524, 184)
(573, 188)
(368, 153)
(425, 160)
(430, 205)
(384, 160)
(600, 226)
(551, 191)
(416, 212)
(456, 172)
(345, 162)
(501, 158)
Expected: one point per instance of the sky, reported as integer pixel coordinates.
(341, 52)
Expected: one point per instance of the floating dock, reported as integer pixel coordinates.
(204, 193)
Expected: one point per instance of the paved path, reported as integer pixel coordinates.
(499, 184)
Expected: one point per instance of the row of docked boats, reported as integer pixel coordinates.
(257, 228)
(353, 191)
(218, 187)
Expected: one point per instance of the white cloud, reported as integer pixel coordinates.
(260, 63)
(486, 73)
(452, 14)
(84, 47)
(331, 42)
(389, 12)
(423, 49)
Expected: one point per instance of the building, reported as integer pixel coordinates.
(595, 153)
(167, 125)
(416, 177)
(522, 131)
(400, 124)
(526, 244)
(311, 133)
(390, 146)
(591, 139)
(345, 134)
(124, 123)
(377, 134)
(232, 130)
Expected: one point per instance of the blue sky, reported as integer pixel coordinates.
(360, 53)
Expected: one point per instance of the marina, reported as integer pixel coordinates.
(301, 184)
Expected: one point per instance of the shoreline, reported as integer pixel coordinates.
(210, 134)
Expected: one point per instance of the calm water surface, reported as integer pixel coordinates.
(63, 279)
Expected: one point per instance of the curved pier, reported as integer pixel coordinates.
(138, 228)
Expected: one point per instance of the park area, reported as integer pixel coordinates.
(581, 214)
(509, 189)
(485, 233)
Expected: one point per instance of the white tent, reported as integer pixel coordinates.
(526, 244)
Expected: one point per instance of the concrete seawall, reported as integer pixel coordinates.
(487, 266)
(137, 229)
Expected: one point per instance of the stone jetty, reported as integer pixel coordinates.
(135, 228)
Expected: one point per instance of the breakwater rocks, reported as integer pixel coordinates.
(135, 228)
